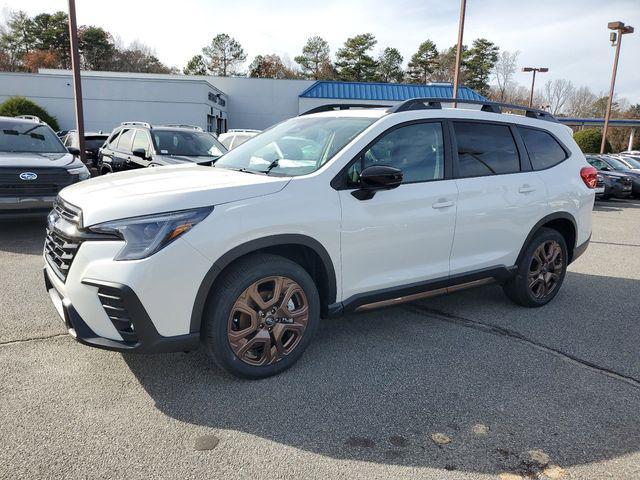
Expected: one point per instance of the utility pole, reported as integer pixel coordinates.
(456, 73)
(619, 29)
(533, 80)
(75, 68)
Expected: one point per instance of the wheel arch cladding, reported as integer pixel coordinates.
(563, 222)
(304, 250)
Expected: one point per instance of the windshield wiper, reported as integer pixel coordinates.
(271, 166)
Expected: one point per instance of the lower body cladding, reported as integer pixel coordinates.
(109, 304)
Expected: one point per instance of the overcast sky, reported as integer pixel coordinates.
(568, 36)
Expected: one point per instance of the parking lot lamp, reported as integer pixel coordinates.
(75, 69)
(533, 80)
(618, 30)
(456, 72)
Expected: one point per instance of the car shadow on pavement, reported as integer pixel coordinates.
(615, 205)
(428, 385)
(23, 236)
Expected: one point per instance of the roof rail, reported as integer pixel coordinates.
(185, 125)
(487, 106)
(340, 106)
(140, 124)
(30, 117)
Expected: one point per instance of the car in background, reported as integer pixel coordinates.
(611, 163)
(34, 167)
(234, 137)
(139, 144)
(614, 184)
(630, 159)
(92, 143)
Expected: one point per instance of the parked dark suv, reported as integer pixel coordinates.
(139, 144)
(34, 167)
(92, 143)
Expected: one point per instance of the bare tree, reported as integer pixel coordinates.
(503, 73)
(582, 103)
(556, 93)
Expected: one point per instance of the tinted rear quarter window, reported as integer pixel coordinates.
(485, 149)
(544, 150)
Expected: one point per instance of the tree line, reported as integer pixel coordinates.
(42, 41)
(354, 61)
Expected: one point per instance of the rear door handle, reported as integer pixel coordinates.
(443, 204)
(526, 189)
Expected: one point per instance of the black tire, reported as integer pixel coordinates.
(227, 290)
(605, 197)
(518, 288)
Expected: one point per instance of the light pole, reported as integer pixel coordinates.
(533, 80)
(75, 68)
(619, 29)
(456, 73)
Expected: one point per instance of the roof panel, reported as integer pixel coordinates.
(384, 91)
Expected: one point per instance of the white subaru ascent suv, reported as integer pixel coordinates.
(323, 214)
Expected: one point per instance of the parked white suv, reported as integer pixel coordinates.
(320, 215)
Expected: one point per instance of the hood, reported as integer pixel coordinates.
(163, 189)
(35, 160)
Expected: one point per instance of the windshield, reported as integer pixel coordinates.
(616, 164)
(297, 146)
(94, 143)
(633, 161)
(28, 137)
(187, 143)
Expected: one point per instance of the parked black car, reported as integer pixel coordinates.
(34, 167)
(139, 144)
(616, 185)
(609, 163)
(92, 143)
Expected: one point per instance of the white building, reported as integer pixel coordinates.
(213, 103)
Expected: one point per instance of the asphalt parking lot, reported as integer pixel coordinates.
(464, 386)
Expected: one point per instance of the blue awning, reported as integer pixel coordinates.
(385, 91)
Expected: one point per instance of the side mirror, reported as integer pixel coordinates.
(140, 153)
(73, 151)
(377, 177)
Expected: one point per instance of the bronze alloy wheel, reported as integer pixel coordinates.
(545, 269)
(268, 320)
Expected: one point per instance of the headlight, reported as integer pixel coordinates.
(146, 235)
(82, 172)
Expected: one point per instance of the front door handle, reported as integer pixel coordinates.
(443, 204)
(526, 189)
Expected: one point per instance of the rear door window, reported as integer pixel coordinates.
(125, 140)
(485, 149)
(544, 150)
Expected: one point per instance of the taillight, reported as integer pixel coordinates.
(589, 176)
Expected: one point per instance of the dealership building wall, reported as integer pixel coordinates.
(213, 103)
(111, 98)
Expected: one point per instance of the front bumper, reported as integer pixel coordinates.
(22, 207)
(145, 338)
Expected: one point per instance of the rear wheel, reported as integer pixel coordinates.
(261, 316)
(541, 270)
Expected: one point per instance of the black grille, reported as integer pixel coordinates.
(60, 249)
(116, 311)
(49, 181)
(60, 252)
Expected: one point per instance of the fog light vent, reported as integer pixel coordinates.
(116, 311)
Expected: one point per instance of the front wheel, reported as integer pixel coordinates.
(261, 316)
(541, 270)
